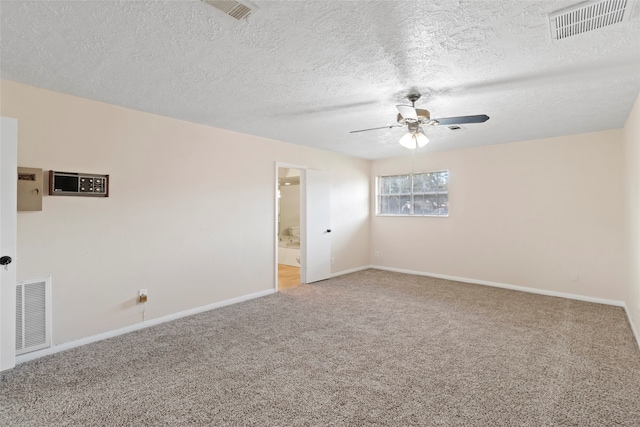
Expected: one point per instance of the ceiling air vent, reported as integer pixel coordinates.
(588, 16)
(234, 9)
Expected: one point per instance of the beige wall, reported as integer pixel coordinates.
(190, 215)
(632, 181)
(529, 214)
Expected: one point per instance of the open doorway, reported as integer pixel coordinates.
(288, 227)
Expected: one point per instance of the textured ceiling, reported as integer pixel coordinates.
(308, 72)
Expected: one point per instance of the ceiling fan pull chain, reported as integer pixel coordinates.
(413, 166)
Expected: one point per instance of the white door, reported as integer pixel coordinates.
(8, 208)
(316, 226)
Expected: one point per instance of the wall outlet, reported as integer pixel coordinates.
(332, 261)
(376, 254)
(142, 296)
(575, 278)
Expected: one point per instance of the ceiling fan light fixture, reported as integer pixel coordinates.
(413, 140)
(407, 141)
(421, 139)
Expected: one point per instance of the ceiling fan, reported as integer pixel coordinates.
(413, 117)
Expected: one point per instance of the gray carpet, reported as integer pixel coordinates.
(372, 348)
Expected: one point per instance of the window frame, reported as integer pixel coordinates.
(411, 194)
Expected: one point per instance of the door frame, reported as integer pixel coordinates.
(303, 223)
(8, 223)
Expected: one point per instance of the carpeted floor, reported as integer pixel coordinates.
(372, 348)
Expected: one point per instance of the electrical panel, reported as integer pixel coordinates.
(29, 189)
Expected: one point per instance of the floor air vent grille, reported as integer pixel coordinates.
(33, 331)
(588, 16)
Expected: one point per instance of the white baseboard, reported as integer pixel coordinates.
(152, 322)
(351, 270)
(633, 326)
(507, 286)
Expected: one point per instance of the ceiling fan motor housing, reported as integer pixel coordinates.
(424, 117)
(413, 127)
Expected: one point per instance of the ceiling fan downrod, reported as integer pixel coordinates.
(413, 97)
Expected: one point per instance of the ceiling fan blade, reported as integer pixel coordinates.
(324, 109)
(462, 120)
(407, 112)
(382, 127)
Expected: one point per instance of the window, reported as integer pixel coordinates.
(420, 194)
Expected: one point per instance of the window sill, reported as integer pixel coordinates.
(413, 216)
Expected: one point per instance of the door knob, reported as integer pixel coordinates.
(5, 260)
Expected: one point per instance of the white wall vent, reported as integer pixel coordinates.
(588, 16)
(33, 315)
(235, 9)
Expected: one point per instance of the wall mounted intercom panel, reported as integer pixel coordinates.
(78, 184)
